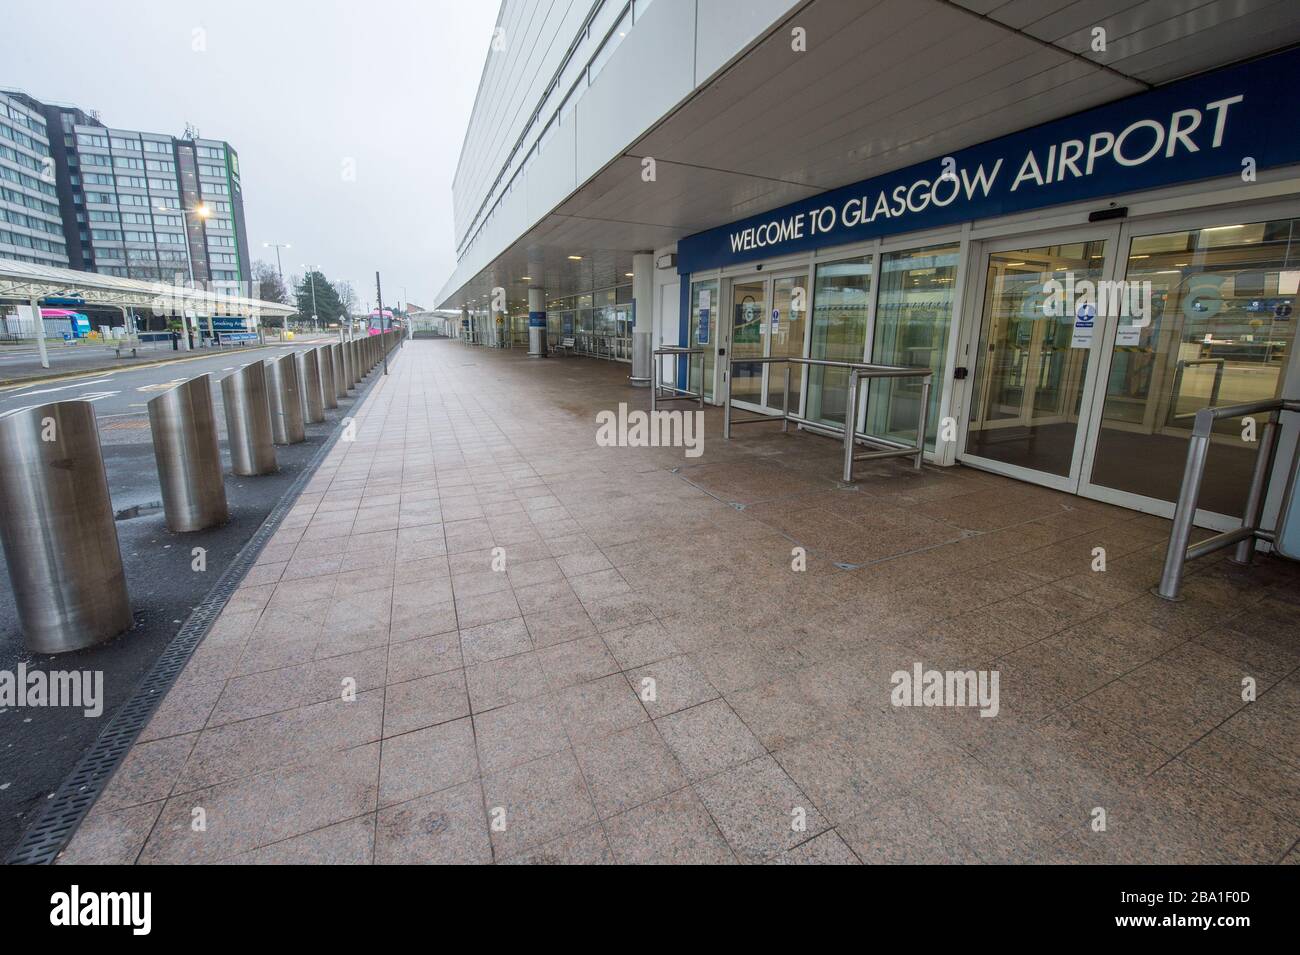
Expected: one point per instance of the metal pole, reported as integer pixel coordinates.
(726, 403)
(1251, 515)
(56, 525)
(850, 424)
(340, 376)
(185, 446)
(379, 296)
(286, 401)
(785, 401)
(345, 362)
(922, 422)
(248, 421)
(313, 408)
(38, 326)
(329, 390)
(1171, 579)
(315, 315)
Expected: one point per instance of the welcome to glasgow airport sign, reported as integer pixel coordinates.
(1215, 124)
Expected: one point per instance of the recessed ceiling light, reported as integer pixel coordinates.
(525, 278)
(576, 258)
(628, 274)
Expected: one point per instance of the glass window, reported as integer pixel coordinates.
(1221, 330)
(841, 312)
(913, 320)
(703, 334)
(611, 43)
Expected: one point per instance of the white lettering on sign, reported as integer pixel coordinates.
(1183, 131)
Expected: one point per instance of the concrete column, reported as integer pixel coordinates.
(643, 287)
(536, 323)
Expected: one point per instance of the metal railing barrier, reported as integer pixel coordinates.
(858, 371)
(248, 421)
(185, 446)
(56, 525)
(662, 392)
(1179, 551)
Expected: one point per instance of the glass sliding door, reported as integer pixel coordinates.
(841, 313)
(913, 321)
(748, 338)
(1221, 332)
(1030, 368)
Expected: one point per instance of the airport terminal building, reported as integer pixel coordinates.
(1082, 217)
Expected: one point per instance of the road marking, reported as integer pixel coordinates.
(96, 395)
(46, 391)
(161, 385)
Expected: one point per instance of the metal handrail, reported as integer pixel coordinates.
(661, 392)
(885, 447)
(1179, 552)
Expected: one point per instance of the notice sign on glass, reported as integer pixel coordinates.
(705, 301)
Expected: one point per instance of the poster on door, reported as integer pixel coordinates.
(706, 299)
(1085, 322)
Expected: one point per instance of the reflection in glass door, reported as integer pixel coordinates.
(841, 308)
(1030, 366)
(1221, 332)
(748, 318)
(913, 318)
(785, 338)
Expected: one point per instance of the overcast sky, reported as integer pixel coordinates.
(303, 91)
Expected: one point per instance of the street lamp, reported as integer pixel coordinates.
(277, 246)
(311, 277)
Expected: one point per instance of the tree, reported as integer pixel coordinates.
(269, 285)
(347, 297)
(327, 306)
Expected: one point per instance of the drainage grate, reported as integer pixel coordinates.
(45, 838)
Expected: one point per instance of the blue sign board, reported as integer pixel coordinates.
(237, 336)
(704, 326)
(1224, 123)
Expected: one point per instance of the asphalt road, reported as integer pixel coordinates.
(21, 362)
(39, 746)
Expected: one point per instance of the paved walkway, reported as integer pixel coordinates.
(508, 715)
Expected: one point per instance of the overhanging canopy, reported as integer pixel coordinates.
(24, 280)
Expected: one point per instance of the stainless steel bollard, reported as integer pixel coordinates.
(339, 374)
(248, 421)
(328, 390)
(286, 401)
(185, 446)
(56, 525)
(313, 409)
(342, 357)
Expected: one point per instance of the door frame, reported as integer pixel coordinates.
(1197, 218)
(977, 261)
(768, 277)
